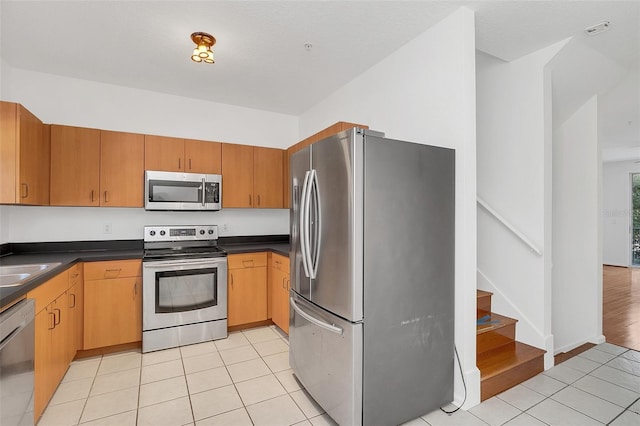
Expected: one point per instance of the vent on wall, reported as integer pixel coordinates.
(598, 28)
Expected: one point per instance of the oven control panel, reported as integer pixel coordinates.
(180, 233)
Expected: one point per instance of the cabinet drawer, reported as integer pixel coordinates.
(75, 274)
(280, 262)
(112, 269)
(49, 291)
(247, 260)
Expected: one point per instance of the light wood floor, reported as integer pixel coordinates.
(621, 306)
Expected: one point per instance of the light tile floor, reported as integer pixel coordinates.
(245, 380)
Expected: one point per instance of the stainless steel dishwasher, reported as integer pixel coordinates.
(16, 364)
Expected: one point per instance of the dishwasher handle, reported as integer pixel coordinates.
(14, 319)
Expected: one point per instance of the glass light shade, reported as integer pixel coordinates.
(202, 51)
(195, 56)
(209, 58)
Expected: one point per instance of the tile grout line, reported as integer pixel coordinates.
(625, 410)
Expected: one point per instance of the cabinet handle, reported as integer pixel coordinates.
(249, 199)
(135, 288)
(189, 163)
(92, 195)
(179, 164)
(106, 200)
(284, 283)
(25, 192)
(74, 300)
(231, 279)
(247, 262)
(258, 199)
(53, 324)
(54, 317)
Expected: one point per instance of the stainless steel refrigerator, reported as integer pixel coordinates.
(372, 273)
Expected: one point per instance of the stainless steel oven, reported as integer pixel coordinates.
(184, 281)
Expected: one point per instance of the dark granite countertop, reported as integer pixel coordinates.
(65, 253)
(69, 253)
(275, 243)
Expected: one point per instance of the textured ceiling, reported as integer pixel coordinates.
(261, 61)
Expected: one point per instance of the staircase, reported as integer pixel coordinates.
(503, 362)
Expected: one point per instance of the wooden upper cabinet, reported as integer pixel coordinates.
(181, 155)
(121, 169)
(267, 177)
(75, 166)
(251, 176)
(237, 176)
(163, 153)
(24, 156)
(202, 156)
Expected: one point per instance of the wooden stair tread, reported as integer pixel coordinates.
(504, 358)
(503, 322)
(482, 293)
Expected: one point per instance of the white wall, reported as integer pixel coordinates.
(74, 102)
(68, 101)
(616, 211)
(577, 262)
(425, 92)
(30, 224)
(513, 106)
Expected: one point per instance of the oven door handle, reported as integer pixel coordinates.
(163, 264)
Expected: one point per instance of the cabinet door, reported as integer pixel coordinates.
(202, 157)
(76, 312)
(60, 338)
(24, 157)
(121, 169)
(279, 300)
(75, 166)
(267, 177)
(34, 163)
(43, 371)
(8, 165)
(247, 296)
(237, 176)
(112, 312)
(163, 153)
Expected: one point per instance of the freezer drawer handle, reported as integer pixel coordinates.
(331, 327)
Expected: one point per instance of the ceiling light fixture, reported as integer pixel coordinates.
(203, 52)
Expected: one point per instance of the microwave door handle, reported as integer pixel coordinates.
(204, 190)
(313, 320)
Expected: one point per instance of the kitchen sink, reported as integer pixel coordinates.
(15, 275)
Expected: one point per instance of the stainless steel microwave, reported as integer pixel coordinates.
(182, 191)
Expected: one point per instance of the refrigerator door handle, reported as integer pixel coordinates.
(303, 223)
(313, 320)
(312, 259)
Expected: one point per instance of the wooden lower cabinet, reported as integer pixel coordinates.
(112, 304)
(53, 347)
(279, 285)
(247, 288)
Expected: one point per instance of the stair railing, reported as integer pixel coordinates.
(509, 226)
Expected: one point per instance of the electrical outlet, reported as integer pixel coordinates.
(106, 229)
